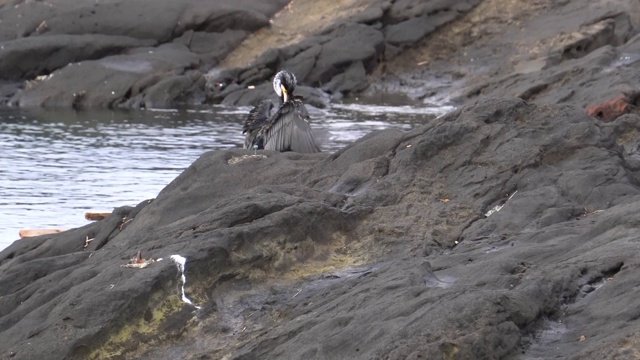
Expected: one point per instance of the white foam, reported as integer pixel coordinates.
(181, 262)
(401, 110)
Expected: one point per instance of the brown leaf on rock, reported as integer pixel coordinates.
(610, 109)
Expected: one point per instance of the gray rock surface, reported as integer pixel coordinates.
(502, 230)
(580, 52)
(131, 45)
(334, 57)
(46, 39)
(547, 52)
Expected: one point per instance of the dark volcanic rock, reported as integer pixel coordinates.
(349, 44)
(51, 38)
(29, 57)
(47, 38)
(112, 80)
(133, 18)
(576, 52)
(501, 229)
(212, 46)
(334, 57)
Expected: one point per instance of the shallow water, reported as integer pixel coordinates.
(56, 165)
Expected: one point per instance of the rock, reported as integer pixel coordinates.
(112, 80)
(165, 92)
(211, 46)
(64, 37)
(26, 58)
(546, 52)
(133, 18)
(323, 254)
(220, 16)
(304, 62)
(353, 79)
(364, 35)
(533, 51)
(406, 9)
(317, 61)
(409, 32)
(213, 32)
(589, 38)
(356, 43)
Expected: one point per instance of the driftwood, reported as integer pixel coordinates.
(91, 215)
(25, 233)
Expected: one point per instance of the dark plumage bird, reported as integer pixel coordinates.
(288, 128)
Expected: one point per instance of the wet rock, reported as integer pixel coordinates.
(592, 62)
(567, 52)
(65, 37)
(133, 18)
(113, 80)
(212, 46)
(322, 254)
(406, 9)
(333, 57)
(353, 79)
(410, 31)
(356, 43)
(335, 53)
(303, 63)
(26, 58)
(589, 38)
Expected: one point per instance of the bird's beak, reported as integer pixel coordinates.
(284, 94)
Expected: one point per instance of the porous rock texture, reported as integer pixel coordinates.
(502, 230)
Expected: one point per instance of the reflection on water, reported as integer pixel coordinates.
(58, 164)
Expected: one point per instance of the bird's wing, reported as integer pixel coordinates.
(290, 131)
(258, 116)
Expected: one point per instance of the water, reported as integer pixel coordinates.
(56, 165)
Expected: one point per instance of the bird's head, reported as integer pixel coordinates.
(284, 83)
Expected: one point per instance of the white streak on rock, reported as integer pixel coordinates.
(499, 207)
(181, 263)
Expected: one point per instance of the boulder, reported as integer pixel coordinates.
(27, 58)
(500, 230)
(211, 46)
(333, 57)
(566, 52)
(113, 80)
(60, 39)
(161, 22)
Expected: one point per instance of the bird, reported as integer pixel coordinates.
(258, 117)
(285, 130)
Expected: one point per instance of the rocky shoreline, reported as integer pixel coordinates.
(66, 54)
(448, 241)
(503, 230)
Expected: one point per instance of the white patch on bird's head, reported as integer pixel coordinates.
(277, 84)
(284, 79)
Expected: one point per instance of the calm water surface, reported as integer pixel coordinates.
(56, 165)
